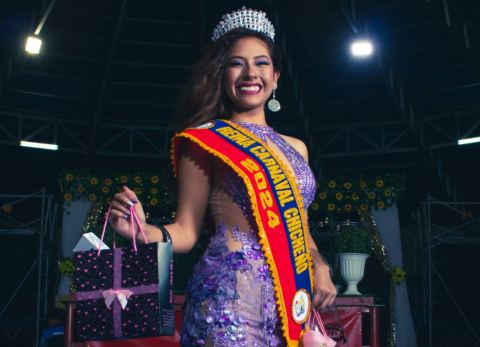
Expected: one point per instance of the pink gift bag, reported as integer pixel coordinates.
(316, 334)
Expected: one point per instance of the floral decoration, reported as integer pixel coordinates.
(398, 275)
(66, 267)
(349, 195)
(150, 187)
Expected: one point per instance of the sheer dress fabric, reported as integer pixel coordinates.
(230, 298)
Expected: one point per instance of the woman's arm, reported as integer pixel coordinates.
(193, 189)
(325, 291)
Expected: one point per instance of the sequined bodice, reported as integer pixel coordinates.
(302, 172)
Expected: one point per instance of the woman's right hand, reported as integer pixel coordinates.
(119, 217)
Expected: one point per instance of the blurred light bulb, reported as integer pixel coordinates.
(33, 45)
(361, 48)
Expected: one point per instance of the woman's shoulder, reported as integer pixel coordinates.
(297, 144)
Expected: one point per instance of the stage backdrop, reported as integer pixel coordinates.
(388, 227)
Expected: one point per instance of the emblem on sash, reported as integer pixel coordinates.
(301, 306)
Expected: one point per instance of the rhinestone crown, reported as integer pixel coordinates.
(246, 19)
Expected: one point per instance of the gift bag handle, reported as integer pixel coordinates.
(133, 220)
(316, 316)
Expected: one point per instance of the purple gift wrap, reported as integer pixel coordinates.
(123, 294)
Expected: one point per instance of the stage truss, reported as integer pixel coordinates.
(29, 215)
(441, 223)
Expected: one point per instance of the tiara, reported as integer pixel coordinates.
(246, 19)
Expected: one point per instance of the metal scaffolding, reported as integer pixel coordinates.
(440, 223)
(30, 215)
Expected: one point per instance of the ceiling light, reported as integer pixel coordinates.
(469, 140)
(40, 145)
(361, 48)
(33, 45)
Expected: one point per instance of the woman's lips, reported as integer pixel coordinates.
(249, 89)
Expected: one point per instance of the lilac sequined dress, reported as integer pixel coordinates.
(230, 299)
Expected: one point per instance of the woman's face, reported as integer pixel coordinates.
(249, 75)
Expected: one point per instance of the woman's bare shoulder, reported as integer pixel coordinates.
(298, 145)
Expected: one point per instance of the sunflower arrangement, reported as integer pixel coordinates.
(348, 195)
(150, 187)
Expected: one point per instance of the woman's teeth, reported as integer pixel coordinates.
(250, 89)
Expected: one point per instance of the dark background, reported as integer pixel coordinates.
(105, 88)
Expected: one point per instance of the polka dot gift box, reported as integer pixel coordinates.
(124, 294)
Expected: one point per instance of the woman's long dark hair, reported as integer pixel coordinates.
(203, 98)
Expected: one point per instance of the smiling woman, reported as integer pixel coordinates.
(206, 95)
(257, 186)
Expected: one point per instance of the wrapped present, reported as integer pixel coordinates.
(124, 293)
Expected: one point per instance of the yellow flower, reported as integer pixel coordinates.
(81, 189)
(381, 205)
(137, 179)
(348, 207)
(363, 184)
(315, 206)
(398, 275)
(69, 177)
(7, 208)
(339, 196)
(347, 185)
(92, 197)
(68, 197)
(154, 179)
(379, 183)
(154, 191)
(364, 207)
(371, 195)
(108, 181)
(105, 189)
(387, 192)
(355, 197)
(332, 184)
(93, 181)
(123, 179)
(322, 195)
(154, 201)
(137, 191)
(331, 207)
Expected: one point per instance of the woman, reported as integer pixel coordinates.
(238, 293)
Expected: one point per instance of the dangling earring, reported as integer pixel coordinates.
(274, 104)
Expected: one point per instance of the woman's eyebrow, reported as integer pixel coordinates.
(239, 57)
(236, 57)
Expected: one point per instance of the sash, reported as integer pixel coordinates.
(277, 208)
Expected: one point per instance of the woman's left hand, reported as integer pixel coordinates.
(325, 292)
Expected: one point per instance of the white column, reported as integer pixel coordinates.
(388, 226)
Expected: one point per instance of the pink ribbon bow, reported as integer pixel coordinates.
(122, 296)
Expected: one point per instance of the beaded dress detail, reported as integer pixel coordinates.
(230, 298)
